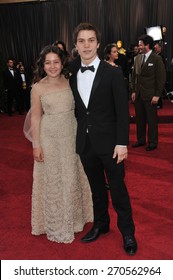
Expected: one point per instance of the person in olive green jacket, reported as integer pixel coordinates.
(148, 80)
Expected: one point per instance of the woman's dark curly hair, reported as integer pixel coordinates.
(107, 50)
(39, 72)
(56, 43)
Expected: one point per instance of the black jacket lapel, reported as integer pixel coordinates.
(98, 77)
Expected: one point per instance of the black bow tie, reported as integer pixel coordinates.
(84, 68)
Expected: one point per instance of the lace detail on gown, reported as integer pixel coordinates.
(61, 197)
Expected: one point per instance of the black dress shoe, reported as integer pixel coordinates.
(137, 144)
(94, 234)
(151, 147)
(130, 244)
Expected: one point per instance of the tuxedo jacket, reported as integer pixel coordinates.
(12, 83)
(148, 80)
(106, 118)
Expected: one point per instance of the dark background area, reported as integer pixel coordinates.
(26, 27)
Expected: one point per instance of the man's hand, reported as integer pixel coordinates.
(120, 152)
(133, 96)
(154, 100)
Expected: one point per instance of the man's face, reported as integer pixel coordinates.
(157, 48)
(22, 70)
(136, 50)
(142, 48)
(10, 63)
(87, 45)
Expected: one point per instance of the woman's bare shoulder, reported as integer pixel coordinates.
(39, 86)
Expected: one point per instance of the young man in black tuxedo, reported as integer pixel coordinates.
(101, 105)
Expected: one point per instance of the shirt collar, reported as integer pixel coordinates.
(147, 54)
(95, 63)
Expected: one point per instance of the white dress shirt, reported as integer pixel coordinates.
(85, 81)
(147, 55)
(23, 77)
(12, 72)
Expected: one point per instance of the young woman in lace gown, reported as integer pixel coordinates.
(61, 198)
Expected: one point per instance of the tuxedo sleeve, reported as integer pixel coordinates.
(120, 95)
(160, 76)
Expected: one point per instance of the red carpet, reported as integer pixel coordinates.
(149, 180)
(165, 115)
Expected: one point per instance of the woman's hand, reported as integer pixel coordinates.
(38, 154)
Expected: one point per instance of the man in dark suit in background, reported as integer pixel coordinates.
(148, 80)
(158, 49)
(26, 88)
(101, 105)
(13, 87)
(2, 95)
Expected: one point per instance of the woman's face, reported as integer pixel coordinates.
(114, 53)
(52, 65)
(119, 44)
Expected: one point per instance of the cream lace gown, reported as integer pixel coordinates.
(61, 198)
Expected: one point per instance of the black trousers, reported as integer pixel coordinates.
(146, 114)
(94, 165)
(11, 97)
